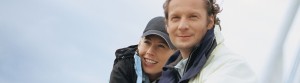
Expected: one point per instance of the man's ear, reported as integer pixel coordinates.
(166, 25)
(211, 22)
(166, 22)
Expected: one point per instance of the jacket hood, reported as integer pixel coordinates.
(127, 52)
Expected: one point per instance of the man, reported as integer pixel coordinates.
(144, 62)
(202, 55)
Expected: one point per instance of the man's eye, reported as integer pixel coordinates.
(193, 17)
(174, 18)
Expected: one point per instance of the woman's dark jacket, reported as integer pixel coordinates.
(123, 70)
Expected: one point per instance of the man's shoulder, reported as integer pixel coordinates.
(223, 58)
(222, 53)
(223, 63)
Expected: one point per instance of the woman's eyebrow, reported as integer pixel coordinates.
(147, 38)
(163, 42)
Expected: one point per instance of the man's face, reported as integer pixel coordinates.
(187, 22)
(154, 53)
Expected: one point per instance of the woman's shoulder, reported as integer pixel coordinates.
(123, 68)
(127, 52)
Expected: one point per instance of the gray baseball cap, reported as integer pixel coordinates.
(156, 26)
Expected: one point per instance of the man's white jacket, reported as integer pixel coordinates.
(224, 66)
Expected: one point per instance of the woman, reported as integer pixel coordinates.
(144, 62)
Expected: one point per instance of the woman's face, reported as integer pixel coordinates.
(154, 53)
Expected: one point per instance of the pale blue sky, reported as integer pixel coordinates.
(73, 41)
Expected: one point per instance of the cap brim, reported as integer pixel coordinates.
(161, 34)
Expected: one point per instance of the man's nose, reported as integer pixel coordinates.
(183, 24)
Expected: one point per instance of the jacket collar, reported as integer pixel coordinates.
(197, 58)
(218, 35)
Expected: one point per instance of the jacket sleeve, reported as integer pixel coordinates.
(123, 72)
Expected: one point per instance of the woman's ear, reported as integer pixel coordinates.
(140, 41)
(139, 44)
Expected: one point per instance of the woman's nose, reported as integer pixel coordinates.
(151, 51)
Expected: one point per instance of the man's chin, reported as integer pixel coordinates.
(183, 45)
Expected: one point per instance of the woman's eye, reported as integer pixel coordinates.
(147, 42)
(161, 46)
